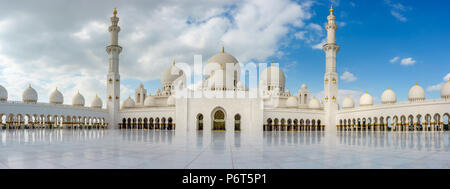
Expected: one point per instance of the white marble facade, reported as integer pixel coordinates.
(276, 109)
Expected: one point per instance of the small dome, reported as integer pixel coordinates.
(304, 86)
(445, 91)
(128, 103)
(240, 85)
(314, 104)
(56, 97)
(97, 102)
(29, 95)
(78, 100)
(171, 101)
(149, 101)
(388, 97)
(3, 94)
(273, 76)
(366, 100)
(348, 103)
(416, 93)
(171, 74)
(292, 102)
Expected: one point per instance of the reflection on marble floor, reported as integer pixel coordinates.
(166, 149)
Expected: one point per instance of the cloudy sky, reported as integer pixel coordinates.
(384, 43)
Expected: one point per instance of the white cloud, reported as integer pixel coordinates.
(348, 77)
(438, 86)
(395, 59)
(399, 16)
(91, 28)
(407, 61)
(68, 51)
(398, 10)
(311, 34)
(320, 45)
(447, 77)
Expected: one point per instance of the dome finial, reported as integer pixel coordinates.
(331, 9)
(417, 83)
(366, 91)
(29, 85)
(115, 12)
(389, 87)
(272, 62)
(223, 49)
(173, 63)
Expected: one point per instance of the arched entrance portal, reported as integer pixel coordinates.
(218, 120)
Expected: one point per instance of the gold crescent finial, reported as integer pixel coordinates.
(223, 49)
(272, 62)
(417, 83)
(29, 85)
(389, 87)
(115, 12)
(331, 9)
(173, 62)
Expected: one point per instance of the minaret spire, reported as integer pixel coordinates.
(331, 76)
(113, 77)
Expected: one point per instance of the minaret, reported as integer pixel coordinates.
(113, 78)
(331, 77)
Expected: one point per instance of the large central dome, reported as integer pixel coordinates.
(219, 61)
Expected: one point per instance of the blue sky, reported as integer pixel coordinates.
(371, 37)
(383, 43)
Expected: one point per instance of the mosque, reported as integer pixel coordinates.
(277, 109)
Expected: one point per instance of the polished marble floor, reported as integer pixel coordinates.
(135, 149)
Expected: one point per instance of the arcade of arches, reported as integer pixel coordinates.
(293, 125)
(148, 123)
(26, 121)
(427, 122)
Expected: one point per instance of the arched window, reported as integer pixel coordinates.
(237, 122)
(219, 120)
(200, 122)
(170, 124)
(151, 125)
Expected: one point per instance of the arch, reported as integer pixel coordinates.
(170, 124)
(295, 124)
(283, 124)
(237, 122)
(446, 121)
(289, 125)
(124, 123)
(218, 119)
(200, 122)
(145, 123)
(163, 124)
(157, 125)
(151, 125)
(269, 125)
(276, 124)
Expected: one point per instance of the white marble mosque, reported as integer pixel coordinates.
(277, 109)
(274, 130)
